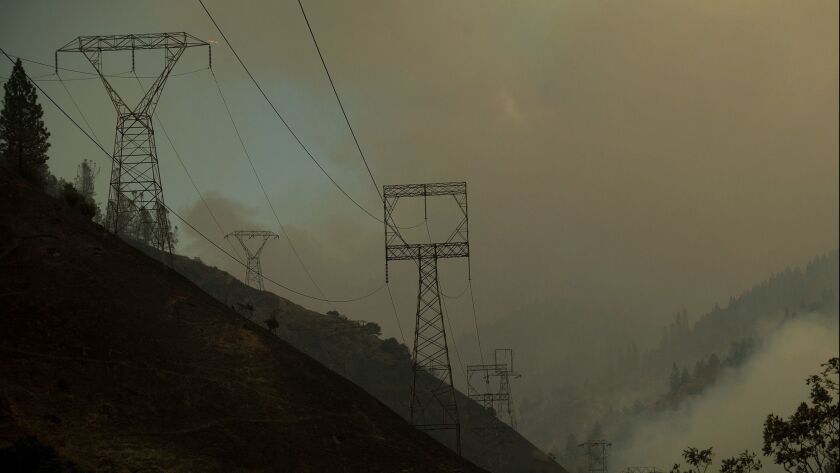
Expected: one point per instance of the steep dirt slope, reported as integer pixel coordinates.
(381, 367)
(123, 365)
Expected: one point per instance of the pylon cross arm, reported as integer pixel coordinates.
(130, 42)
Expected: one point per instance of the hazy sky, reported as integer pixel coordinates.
(644, 156)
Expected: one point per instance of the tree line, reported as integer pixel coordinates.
(24, 147)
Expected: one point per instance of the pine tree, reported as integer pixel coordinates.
(23, 136)
(85, 178)
(674, 379)
(84, 184)
(685, 378)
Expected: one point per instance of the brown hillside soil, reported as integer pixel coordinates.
(123, 365)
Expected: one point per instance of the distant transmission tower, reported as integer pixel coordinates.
(495, 394)
(504, 357)
(642, 469)
(432, 405)
(253, 269)
(135, 198)
(596, 455)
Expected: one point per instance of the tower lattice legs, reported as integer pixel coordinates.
(135, 196)
(433, 404)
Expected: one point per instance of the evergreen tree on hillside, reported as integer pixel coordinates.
(23, 136)
(674, 380)
(85, 178)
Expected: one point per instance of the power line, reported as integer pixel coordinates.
(283, 120)
(475, 319)
(344, 112)
(265, 193)
(340, 104)
(460, 294)
(454, 345)
(84, 118)
(176, 214)
(394, 306)
(187, 172)
(189, 176)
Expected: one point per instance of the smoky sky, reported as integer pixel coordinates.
(640, 157)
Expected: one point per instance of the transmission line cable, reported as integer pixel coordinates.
(396, 316)
(189, 175)
(265, 193)
(177, 215)
(282, 119)
(475, 320)
(460, 294)
(454, 345)
(78, 109)
(338, 98)
(362, 154)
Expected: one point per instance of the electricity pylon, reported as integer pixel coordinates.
(504, 357)
(432, 404)
(135, 197)
(596, 455)
(642, 469)
(496, 395)
(253, 269)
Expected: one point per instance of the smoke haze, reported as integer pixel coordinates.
(730, 415)
(651, 156)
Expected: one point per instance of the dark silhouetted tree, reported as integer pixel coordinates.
(23, 136)
(372, 328)
(698, 460)
(746, 462)
(84, 184)
(675, 379)
(77, 201)
(272, 323)
(685, 378)
(85, 178)
(808, 440)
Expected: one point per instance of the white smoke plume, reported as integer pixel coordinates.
(730, 415)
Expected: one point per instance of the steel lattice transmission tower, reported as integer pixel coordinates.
(596, 455)
(496, 395)
(253, 269)
(135, 197)
(432, 403)
(642, 469)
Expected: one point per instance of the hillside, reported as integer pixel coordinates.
(120, 364)
(381, 367)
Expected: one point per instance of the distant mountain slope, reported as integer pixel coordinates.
(587, 366)
(785, 294)
(121, 364)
